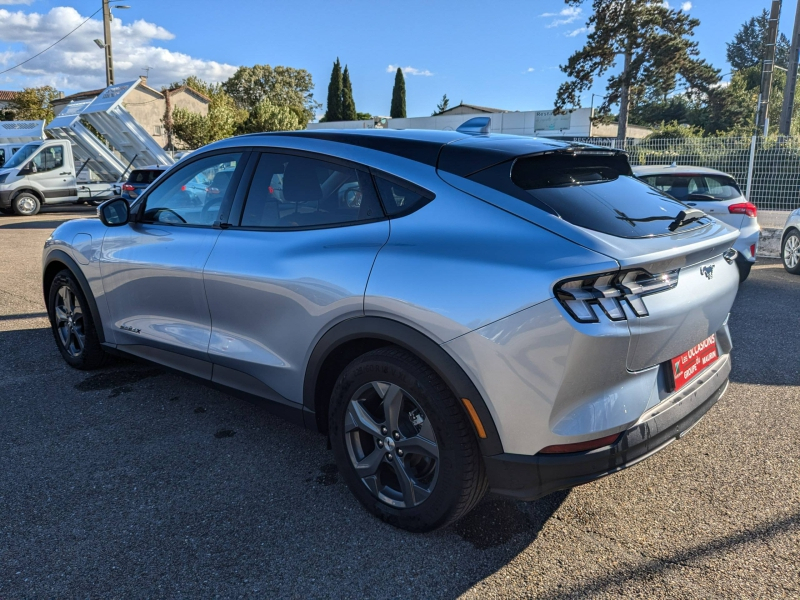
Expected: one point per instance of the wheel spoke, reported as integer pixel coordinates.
(369, 465)
(61, 315)
(392, 402)
(412, 493)
(419, 445)
(77, 311)
(78, 340)
(359, 418)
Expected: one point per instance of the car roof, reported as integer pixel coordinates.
(452, 151)
(152, 168)
(675, 170)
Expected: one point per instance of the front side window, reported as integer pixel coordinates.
(194, 194)
(295, 191)
(696, 187)
(22, 155)
(49, 159)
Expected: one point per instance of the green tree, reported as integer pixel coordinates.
(398, 109)
(673, 130)
(749, 44)
(223, 120)
(333, 108)
(442, 106)
(283, 86)
(657, 52)
(267, 116)
(35, 104)
(363, 116)
(348, 103)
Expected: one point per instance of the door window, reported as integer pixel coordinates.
(294, 191)
(49, 159)
(194, 194)
(399, 199)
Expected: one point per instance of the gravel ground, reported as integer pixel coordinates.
(131, 482)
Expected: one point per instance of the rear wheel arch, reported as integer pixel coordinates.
(57, 261)
(349, 339)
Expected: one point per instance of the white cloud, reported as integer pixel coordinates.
(566, 16)
(686, 6)
(15, 2)
(409, 70)
(530, 70)
(78, 64)
(576, 32)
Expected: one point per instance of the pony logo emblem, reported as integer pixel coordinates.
(708, 271)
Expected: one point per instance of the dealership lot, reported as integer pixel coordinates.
(130, 481)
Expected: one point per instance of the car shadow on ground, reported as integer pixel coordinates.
(32, 223)
(150, 481)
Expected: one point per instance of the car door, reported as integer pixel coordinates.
(294, 263)
(51, 175)
(153, 268)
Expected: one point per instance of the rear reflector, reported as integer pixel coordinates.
(128, 187)
(743, 208)
(580, 446)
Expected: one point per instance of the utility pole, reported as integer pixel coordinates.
(791, 77)
(762, 121)
(107, 40)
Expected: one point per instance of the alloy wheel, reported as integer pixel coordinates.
(70, 322)
(791, 251)
(391, 444)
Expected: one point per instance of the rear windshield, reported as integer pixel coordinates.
(597, 191)
(144, 176)
(697, 187)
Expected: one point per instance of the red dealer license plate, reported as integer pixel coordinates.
(686, 366)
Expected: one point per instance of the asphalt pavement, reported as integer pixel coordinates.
(130, 482)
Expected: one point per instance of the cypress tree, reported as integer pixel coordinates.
(333, 110)
(348, 103)
(398, 110)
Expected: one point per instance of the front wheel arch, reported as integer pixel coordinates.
(350, 339)
(57, 261)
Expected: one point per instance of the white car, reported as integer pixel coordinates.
(790, 243)
(715, 193)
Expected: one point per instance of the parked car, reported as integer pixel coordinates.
(456, 312)
(790, 243)
(715, 193)
(139, 179)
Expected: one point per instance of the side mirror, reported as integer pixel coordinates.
(114, 212)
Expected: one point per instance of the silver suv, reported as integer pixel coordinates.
(456, 312)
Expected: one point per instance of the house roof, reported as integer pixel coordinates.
(78, 96)
(89, 94)
(6, 95)
(484, 109)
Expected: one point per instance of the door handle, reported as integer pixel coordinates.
(692, 203)
(65, 173)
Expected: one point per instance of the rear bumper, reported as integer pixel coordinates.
(531, 477)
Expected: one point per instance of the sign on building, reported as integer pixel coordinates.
(546, 121)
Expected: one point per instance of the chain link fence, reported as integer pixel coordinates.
(767, 169)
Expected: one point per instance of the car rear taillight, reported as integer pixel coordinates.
(582, 296)
(752, 250)
(128, 187)
(743, 208)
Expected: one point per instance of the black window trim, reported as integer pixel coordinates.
(230, 193)
(234, 219)
(428, 195)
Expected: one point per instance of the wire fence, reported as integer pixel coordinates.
(767, 169)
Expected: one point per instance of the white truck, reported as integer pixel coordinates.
(15, 134)
(49, 171)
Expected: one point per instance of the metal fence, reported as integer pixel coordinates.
(768, 169)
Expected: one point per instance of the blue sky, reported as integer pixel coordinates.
(502, 54)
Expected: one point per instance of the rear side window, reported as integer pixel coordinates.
(290, 191)
(597, 191)
(699, 187)
(144, 176)
(400, 199)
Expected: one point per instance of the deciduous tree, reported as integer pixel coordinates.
(282, 86)
(35, 104)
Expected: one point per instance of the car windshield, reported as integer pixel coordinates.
(597, 191)
(696, 187)
(21, 155)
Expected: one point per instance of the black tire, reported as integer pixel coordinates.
(26, 204)
(744, 269)
(460, 478)
(89, 354)
(794, 235)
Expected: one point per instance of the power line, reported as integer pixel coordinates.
(53, 44)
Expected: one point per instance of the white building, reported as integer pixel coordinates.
(541, 123)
